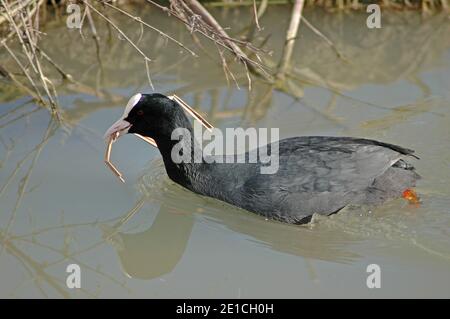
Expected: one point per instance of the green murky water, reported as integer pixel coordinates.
(150, 238)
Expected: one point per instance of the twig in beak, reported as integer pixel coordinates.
(108, 157)
(149, 140)
(111, 140)
(192, 112)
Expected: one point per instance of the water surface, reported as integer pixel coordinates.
(151, 238)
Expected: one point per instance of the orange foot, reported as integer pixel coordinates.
(411, 196)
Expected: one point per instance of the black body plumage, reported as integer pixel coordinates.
(317, 174)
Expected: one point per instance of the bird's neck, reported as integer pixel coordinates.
(183, 157)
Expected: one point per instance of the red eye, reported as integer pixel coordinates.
(140, 112)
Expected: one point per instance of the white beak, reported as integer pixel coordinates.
(121, 127)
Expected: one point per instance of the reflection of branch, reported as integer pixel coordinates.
(25, 179)
(14, 172)
(19, 84)
(75, 260)
(151, 27)
(399, 114)
(130, 213)
(36, 109)
(198, 19)
(37, 270)
(58, 68)
(25, 72)
(324, 37)
(96, 38)
(146, 58)
(37, 267)
(291, 35)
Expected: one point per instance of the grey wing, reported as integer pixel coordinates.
(318, 178)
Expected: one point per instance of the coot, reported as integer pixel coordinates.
(316, 174)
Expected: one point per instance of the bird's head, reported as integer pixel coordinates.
(149, 115)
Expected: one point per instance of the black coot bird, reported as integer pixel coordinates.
(317, 174)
